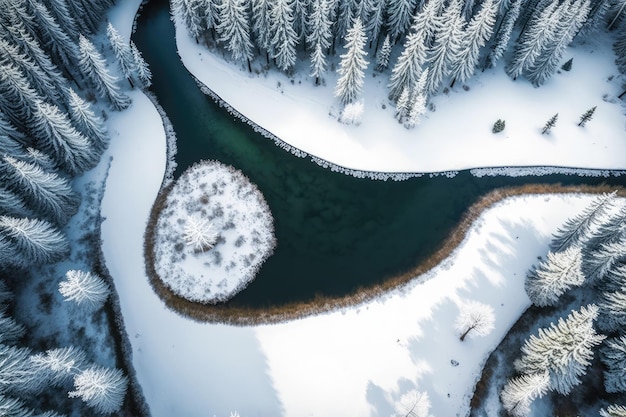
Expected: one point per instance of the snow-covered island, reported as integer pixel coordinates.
(213, 233)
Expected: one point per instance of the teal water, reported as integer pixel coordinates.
(335, 233)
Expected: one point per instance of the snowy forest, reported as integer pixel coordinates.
(57, 84)
(427, 46)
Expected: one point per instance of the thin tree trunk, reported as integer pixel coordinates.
(622, 95)
(249, 66)
(619, 12)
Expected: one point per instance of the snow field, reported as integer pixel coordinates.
(237, 211)
(456, 135)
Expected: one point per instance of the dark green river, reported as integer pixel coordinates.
(335, 233)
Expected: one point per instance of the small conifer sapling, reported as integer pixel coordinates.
(568, 65)
(587, 116)
(498, 126)
(550, 124)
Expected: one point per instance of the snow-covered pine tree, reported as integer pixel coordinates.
(534, 40)
(46, 193)
(588, 115)
(17, 375)
(600, 261)
(571, 19)
(579, 228)
(375, 21)
(413, 403)
(60, 11)
(122, 52)
(552, 278)
(101, 388)
(477, 33)
(549, 124)
(613, 410)
(447, 41)
(319, 37)
(402, 105)
(352, 113)
(399, 14)
(613, 355)
(85, 289)
(9, 133)
(12, 204)
(87, 122)
(93, 66)
(596, 18)
(283, 37)
(382, 57)
(503, 35)
(234, 29)
(417, 107)
(191, 12)
(200, 233)
(59, 365)
(32, 242)
(10, 330)
(408, 68)
(71, 151)
(613, 312)
(40, 159)
(142, 70)
(619, 47)
(346, 17)
(88, 13)
(611, 229)
(18, 100)
(474, 319)
(301, 13)
(615, 280)
(63, 49)
(521, 391)
(565, 350)
(352, 66)
(261, 25)
(38, 79)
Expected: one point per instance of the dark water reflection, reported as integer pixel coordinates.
(335, 233)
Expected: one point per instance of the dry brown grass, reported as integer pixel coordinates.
(242, 316)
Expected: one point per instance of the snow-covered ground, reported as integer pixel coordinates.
(356, 361)
(457, 135)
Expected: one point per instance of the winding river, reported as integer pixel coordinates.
(335, 233)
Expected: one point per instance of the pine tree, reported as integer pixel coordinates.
(88, 13)
(521, 391)
(399, 17)
(70, 150)
(587, 116)
(475, 319)
(18, 100)
(17, 375)
(477, 33)
(408, 68)
(192, 14)
(600, 261)
(59, 365)
(85, 288)
(234, 29)
(45, 193)
(613, 354)
(319, 37)
(417, 107)
(93, 66)
(615, 280)
(261, 24)
(565, 350)
(200, 233)
(571, 19)
(498, 126)
(613, 410)
(32, 242)
(579, 228)
(61, 12)
(39, 158)
(301, 13)
(597, 16)
(10, 330)
(503, 35)
(413, 404)
(613, 312)
(382, 57)
(568, 65)
(534, 40)
(611, 229)
(142, 70)
(375, 21)
(549, 124)
(552, 278)
(402, 105)
(448, 40)
(87, 122)
(123, 54)
(10, 135)
(12, 204)
(101, 388)
(352, 66)
(283, 37)
(346, 17)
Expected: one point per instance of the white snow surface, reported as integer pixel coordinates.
(456, 136)
(238, 212)
(355, 361)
